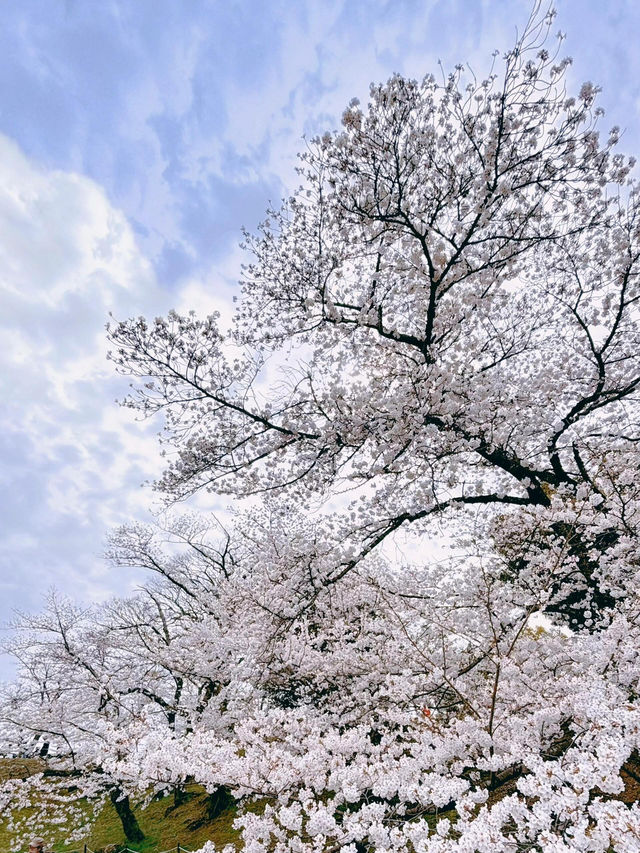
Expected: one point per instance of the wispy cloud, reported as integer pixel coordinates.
(72, 461)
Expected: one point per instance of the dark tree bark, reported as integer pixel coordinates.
(180, 796)
(128, 820)
(219, 801)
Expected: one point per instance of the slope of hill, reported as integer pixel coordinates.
(165, 825)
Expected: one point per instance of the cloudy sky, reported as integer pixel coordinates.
(137, 137)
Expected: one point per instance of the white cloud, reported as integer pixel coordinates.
(72, 460)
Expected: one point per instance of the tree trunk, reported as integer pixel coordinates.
(218, 801)
(180, 796)
(128, 820)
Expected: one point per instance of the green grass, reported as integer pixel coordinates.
(164, 825)
(19, 768)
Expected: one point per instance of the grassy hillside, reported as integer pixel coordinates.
(164, 825)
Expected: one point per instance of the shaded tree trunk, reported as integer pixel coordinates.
(218, 801)
(128, 820)
(180, 796)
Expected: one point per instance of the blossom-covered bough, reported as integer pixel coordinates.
(437, 341)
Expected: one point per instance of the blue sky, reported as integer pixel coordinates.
(137, 137)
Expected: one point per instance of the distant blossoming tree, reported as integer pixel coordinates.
(437, 339)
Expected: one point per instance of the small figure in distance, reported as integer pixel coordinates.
(36, 845)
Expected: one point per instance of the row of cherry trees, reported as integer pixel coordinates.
(420, 629)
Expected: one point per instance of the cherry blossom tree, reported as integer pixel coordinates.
(424, 619)
(438, 335)
(89, 679)
(63, 705)
(448, 329)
